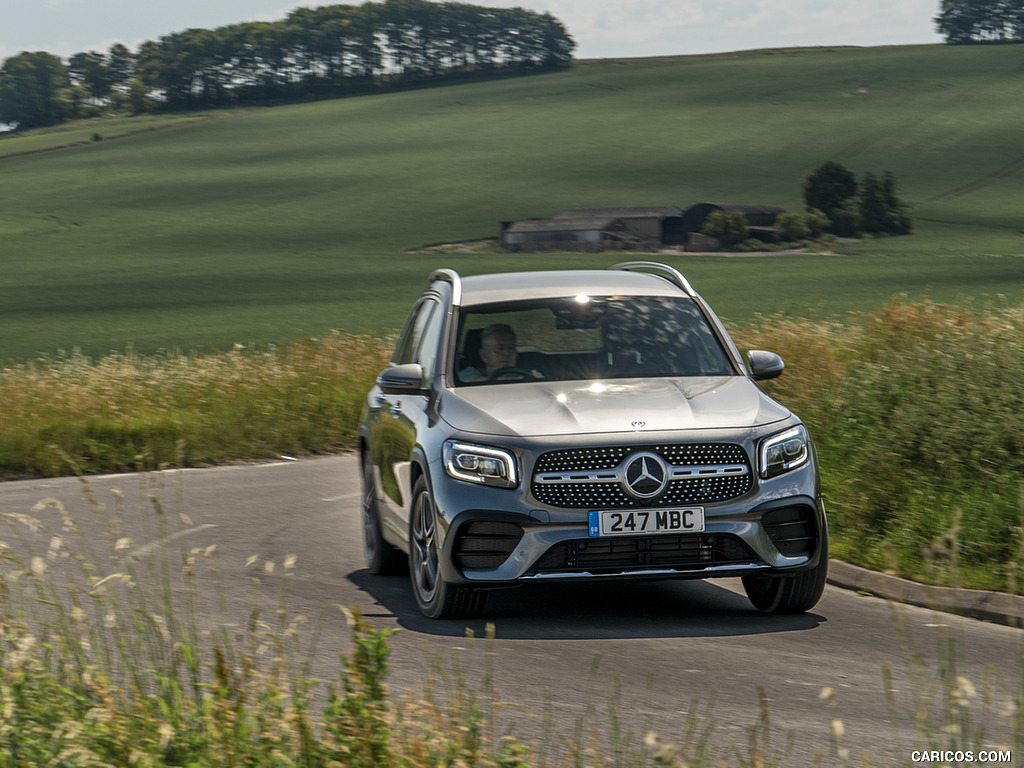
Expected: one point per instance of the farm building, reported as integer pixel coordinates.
(656, 224)
(630, 228)
(580, 233)
(760, 218)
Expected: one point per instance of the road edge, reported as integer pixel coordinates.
(996, 607)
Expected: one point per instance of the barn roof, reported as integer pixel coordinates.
(767, 209)
(567, 224)
(627, 212)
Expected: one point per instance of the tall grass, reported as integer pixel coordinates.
(113, 654)
(918, 413)
(128, 411)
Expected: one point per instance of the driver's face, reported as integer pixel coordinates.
(498, 351)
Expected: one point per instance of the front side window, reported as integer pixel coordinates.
(419, 338)
(586, 337)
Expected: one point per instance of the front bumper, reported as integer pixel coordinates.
(503, 539)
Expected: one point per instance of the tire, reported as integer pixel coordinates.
(437, 598)
(788, 594)
(381, 557)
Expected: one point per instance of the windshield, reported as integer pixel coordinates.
(586, 337)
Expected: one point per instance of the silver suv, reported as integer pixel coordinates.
(584, 425)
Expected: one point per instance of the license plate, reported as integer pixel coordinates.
(646, 521)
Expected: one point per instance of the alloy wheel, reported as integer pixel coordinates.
(424, 548)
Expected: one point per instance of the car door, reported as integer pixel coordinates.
(402, 417)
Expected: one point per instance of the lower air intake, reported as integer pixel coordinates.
(624, 553)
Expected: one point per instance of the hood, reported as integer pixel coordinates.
(533, 409)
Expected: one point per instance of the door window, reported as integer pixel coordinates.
(419, 340)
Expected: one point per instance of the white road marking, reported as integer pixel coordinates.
(344, 497)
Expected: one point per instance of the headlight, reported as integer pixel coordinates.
(480, 464)
(783, 452)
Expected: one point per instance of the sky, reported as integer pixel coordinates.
(601, 28)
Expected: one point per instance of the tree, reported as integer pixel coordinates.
(829, 187)
(844, 221)
(36, 90)
(832, 189)
(898, 219)
(961, 21)
(880, 211)
(125, 87)
(871, 206)
(976, 21)
(730, 227)
(324, 51)
(93, 72)
(138, 100)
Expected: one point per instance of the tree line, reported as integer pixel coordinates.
(836, 205)
(981, 21)
(855, 208)
(314, 52)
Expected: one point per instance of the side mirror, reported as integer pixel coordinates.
(401, 379)
(764, 365)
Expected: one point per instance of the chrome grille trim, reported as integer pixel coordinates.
(595, 478)
(619, 473)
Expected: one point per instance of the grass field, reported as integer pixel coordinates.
(269, 225)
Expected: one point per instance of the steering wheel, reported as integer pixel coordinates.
(510, 371)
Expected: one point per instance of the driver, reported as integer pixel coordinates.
(497, 351)
(497, 348)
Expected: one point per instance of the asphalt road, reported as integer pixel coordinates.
(562, 652)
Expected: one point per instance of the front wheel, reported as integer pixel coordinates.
(437, 598)
(788, 594)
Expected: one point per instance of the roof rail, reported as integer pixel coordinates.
(663, 271)
(451, 276)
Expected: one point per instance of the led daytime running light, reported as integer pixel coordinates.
(480, 464)
(783, 452)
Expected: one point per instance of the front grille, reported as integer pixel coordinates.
(592, 478)
(792, 530)
(625, 553)
(485, 543)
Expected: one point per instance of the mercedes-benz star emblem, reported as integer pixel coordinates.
(646, 475)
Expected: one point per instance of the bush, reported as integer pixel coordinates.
(817, 222)
(753, 245)
(794, 226)
(931, 422)
(918, 415)
(730, 227)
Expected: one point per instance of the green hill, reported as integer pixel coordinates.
(267, 225)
